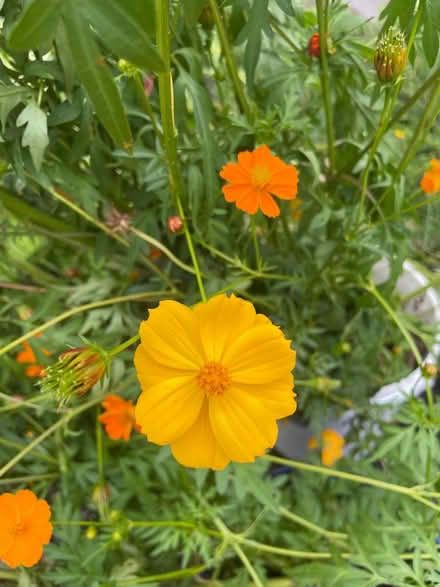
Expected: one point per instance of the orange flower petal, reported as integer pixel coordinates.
(234, 192)
(119, 419)
(248, 201)
(27, 355)
(235, 173)
(268, 205)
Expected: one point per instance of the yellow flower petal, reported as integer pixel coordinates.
(241, 425)
(198, 447)
(171, 336)
(150, 372)
(277, 397)
(221, 320)
(167, 410)
(268, 344)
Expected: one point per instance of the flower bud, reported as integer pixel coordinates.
(148, 85)
(91, 532)
(76, 372)
(314, 47)
(127, 68)
(101, 495)
(429, 370)
(325, 384)
(175, 224)
(391, 55)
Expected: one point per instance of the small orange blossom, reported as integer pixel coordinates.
(24, 528)
(332, 444)
(431, 179)
(256, 176)
(119, 417)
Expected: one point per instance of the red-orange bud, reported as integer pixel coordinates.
(314, 47)
(175, 224)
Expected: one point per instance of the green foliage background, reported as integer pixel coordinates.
(79, 137)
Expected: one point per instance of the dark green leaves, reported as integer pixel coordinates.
(95, 76)
(192, 10)
(122, 26)
(258, 16)
(431, 30)
(36, 25)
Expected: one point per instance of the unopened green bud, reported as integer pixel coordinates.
(391, 55)
(325, 384)
(127, 68)
(429, 370)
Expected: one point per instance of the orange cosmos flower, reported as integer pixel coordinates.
(119, 418)
(256, 176)
(431, 179)
(215, 379)
(24, 528)
(332, 444)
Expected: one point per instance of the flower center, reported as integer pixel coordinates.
(213, 378)
(260, 176)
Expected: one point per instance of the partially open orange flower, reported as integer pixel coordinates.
(256, 176)
(215, 379)
(24, 528)
(28, 356)
(431, 179)
(332, 444)
(119, 418)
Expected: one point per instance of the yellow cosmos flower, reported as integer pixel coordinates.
(215, 379)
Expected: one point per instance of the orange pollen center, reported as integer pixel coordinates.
(260, 176)
(213, 378)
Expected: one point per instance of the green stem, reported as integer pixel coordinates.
(328, 472)
(282, 34)
(370, 287)
(433, 282)
(429, 200)
(166, 100)
(16, 404)
(386, 110)
(29, 478)
(63, 420)
(310, 526)
(118, 349)
(230, 62)
(256, 245)
(323, 26)
(155, 243)
(38, 454)
(180, 574)
(118, 300)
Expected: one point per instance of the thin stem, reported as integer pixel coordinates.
(166, 100)
(158, 245)
(311, 526)
(434, 281)
(230, 62)
(409, 491)
(256, 245)
(282, 34)
(38, 454)
(429, 200)
(181, 573)
(370, 287)
(29, 478)
(118, 300)
(323, 25)
(63, 420)
(118, 349)
(386, 110)
(247, 564)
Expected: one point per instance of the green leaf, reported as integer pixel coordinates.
(35, 134)
(36, 25)
(10, 97)
(96, 76)
(192, 10)
(119, 24)
(204, 115)
(430, 34)
(286, 7)
(258, 17)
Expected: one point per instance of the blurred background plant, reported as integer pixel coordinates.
(105, 175)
